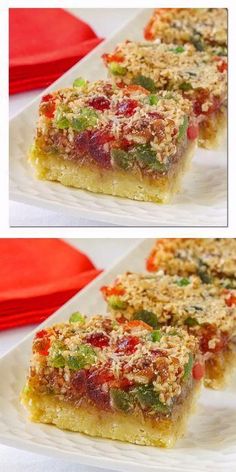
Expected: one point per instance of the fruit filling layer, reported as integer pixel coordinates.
(128, 367)
(212, 259)
(206, 311)
(198, 76)
(205, 28)
(126, 128)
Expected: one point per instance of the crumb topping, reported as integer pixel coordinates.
(180, 68)
(204, 27)
(174, 300)
(213, 259)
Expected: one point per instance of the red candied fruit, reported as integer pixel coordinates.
(127, 345)
(82, 141)
(41, 334)
(99, 103)
(203, 97)
(93, 143)
(208, 333)
(97, 147)
(98, 340)
(127, 107)
(108, 291)
(113, 58)
(222, 67)
(231, 300)
(43, 343)
(192, 132)
(95, 387)
(48, 106)
(150, 264)
(79, 380)
(198, 371)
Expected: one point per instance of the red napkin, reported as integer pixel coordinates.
(44, 43)
(37, 276)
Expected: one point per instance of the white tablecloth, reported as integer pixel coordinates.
(103, 253)
(104, 22)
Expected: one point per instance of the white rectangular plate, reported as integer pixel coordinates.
(209, 443)
(202, 201)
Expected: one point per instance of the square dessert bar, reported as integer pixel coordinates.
(212, 259)
(198, 76)
(113, 380)
(122, 141)
(205, 28)
(163, 300)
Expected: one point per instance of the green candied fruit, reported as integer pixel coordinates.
(116, 69)
(121, 400)
(156, 335)
(115, 302)
(61, 121)
(185, 86)
(148, 317)
(178, 49)
(56, 359)
(183, 282)
(183, 128)
(82, 357)
(77, 318)
(153, 99)
(147, 156)
(87, 118)
(145, 82)
(148, 398)
(197, 42)
(79, 82)
(190, 321)
(205, 277)
(188, 367)
(121, 158)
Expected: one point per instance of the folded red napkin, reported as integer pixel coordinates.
(37, 276)
(44, 43)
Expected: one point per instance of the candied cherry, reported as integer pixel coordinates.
(127, 107)
(97, 149)
(209, 333)
(48, 106)
(127, 345)
(94, 387)
(198, 371)
(192, 132)
(108, 291)
(98, 340)
(150, 264)
(222, 67)
(113, 58)
(231, 300)
(99, 103)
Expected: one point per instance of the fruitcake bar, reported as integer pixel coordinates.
(198, 76)
(204, 310)
(112, 380)
(205, 28)
(212, 259)
(119, 141)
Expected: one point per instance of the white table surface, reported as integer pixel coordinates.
(104, 22)
(103, 253)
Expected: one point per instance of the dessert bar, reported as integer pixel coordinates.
(122, 141)
(114, 380)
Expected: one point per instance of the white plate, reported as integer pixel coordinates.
(210, 442)
(202, 202)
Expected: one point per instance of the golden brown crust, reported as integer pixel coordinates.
(112, 425)
(113, 182)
